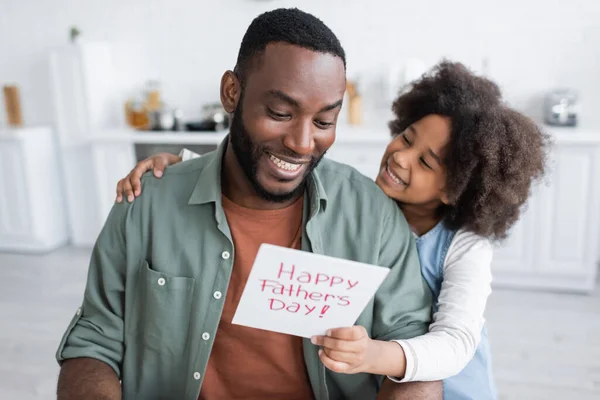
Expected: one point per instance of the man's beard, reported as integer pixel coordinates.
(248, 154)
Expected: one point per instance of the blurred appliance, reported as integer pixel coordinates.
(561, 107)
(214, 118)
(161, 119)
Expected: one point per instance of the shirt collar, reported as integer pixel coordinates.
(208, 185)
(316, 193)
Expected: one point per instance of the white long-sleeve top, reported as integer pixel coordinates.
(455, 333)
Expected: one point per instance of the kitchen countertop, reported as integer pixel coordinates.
(345, 134)
(573, 135)
(15, 133)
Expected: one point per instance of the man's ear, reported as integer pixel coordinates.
(230, 91)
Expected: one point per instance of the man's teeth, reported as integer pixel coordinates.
(394, 177)
(284, 164)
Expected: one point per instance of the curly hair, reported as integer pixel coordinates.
(494, 153)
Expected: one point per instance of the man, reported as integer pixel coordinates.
(168, 270)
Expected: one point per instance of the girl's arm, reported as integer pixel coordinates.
(452, 339)
(130, 187)
(457, 324)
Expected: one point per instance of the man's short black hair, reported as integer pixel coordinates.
(287, 25)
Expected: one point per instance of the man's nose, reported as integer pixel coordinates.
(301, 138)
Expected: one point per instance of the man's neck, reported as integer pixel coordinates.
(237, 188)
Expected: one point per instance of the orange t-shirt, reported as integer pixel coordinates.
(248, 363)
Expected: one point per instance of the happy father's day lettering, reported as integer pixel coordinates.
(288, 287)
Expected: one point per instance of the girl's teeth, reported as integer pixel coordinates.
(394, 177)
(284, 164)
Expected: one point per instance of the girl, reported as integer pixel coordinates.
(460, 166)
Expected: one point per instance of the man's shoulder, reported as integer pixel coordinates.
(177, 176)
(344, 183)
(164, 202)
(173, 189)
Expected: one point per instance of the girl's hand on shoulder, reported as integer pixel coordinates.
(131, 185)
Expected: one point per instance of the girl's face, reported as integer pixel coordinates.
(411, 169)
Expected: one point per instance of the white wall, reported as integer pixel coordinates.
(531, 44)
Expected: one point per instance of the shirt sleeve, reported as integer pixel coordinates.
(402, 305)
(457, 324)
(186, 154)
(96, 330)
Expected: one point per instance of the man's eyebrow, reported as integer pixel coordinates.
(283, 97)
(293, 102)
(331, 106)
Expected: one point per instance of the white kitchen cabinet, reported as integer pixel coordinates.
(112, 162)
(91, 173)
(32, 210)
(515, 253)
(86, 100)
(569, 238)
(555, 243)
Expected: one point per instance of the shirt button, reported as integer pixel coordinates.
(161, 281)
(217, 295)
(79, 310)
(197, 376)
(225, 255)
(205, 336)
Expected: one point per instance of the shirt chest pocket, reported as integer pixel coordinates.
(161, 311)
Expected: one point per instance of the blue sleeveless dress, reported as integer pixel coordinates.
(475, 381)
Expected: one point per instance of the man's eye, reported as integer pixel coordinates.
(277, 115)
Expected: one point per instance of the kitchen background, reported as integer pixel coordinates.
(70, 67)
(529, 46)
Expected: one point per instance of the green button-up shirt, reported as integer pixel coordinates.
(161, 266)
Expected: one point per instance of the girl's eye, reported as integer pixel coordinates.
(323, 124)
(425, 163)
(406, 139)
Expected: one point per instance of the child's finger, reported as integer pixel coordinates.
(335, 344)
(351, 333)
(333, 365)
(342, 356)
